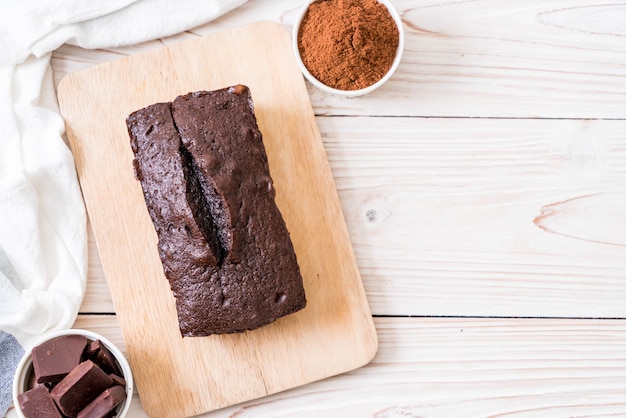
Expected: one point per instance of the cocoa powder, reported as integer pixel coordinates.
(348, 44)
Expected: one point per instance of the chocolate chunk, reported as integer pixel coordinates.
(91, 351)
(99, 354)
(81, 386)
(36, 403)
(105, 403)
(117, 380)
(31, 380)
(54, 359)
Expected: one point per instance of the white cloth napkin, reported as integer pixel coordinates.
(43, 244)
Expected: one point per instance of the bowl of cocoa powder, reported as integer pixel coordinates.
(348, 47)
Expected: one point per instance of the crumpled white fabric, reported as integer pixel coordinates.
(43, 240)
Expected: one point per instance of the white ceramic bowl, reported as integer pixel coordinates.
(25, 367)
(348, 93)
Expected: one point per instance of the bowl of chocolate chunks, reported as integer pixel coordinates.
(73, 373)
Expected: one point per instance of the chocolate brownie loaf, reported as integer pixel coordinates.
(224, 246)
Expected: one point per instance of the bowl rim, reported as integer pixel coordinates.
(25, 363)
(348, 93)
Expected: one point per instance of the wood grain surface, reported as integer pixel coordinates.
(178, 376)
(484, 191)
(471, 58)
(488, 217)
(460, 367)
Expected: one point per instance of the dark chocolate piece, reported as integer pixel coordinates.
(223, 243)
(81, 386)
(36, 403)
(117, 379)
(102, 356)
(106, 402)
(31, 380)
(54, 359)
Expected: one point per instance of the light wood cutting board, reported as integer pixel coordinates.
(178, 376)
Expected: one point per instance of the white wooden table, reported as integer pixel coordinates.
(484, 188)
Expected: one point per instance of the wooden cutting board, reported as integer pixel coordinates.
(178, 376)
